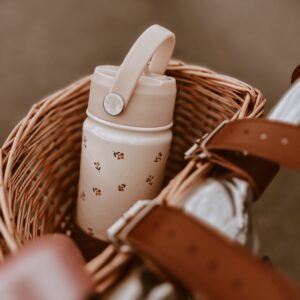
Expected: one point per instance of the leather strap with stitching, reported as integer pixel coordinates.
(270, 140)
(203, 261)
(199, 258)
(253, 148)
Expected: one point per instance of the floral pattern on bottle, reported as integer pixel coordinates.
(97, 166)
(119, 155)
(102, 181)
(150, 179)
(82, 196)
(97, 191)
(121, 187)
(158, 157)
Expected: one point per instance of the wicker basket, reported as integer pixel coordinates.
(40, 158)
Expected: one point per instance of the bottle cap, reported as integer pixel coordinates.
(137, 94)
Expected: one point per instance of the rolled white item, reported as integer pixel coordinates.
(226, 205)
(223, 204)
(130, 287)
(288, 108)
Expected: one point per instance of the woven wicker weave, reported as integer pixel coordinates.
(40, 158)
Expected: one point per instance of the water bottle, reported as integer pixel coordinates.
(127, 132)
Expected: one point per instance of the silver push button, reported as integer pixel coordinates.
(113, 104)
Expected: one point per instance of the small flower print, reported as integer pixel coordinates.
(82, 196)
(150, 179)
(84, 141)
(158, 157)
(119, 155)
(97, 191)
(90, 231)
(97, 166)
(121, 187)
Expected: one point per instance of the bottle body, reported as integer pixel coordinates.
(126, 136)
(119, 165)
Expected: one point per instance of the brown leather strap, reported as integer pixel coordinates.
(258, 172)
(203, 261)
(252, 148)
(198, 257)
(274, 141)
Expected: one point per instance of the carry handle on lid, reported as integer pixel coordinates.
(157, 43)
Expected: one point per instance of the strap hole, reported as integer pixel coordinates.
(284, 141)
(263, 136)
(213, 265)
(236, 284)
(246, 131)
(192, 249)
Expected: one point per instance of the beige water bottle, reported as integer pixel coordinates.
(126, 136)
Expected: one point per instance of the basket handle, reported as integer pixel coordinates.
(157, 43)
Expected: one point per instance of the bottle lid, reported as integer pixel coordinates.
(137, 94)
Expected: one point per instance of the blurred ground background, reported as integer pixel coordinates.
(44, 45)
